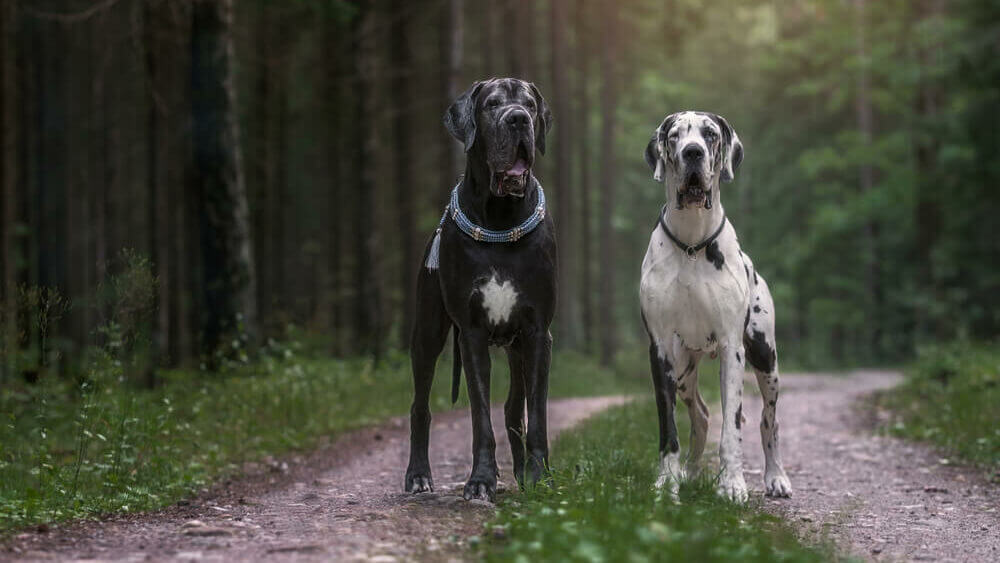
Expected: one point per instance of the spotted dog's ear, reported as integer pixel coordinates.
(544, 115)
(460, 119)
(654, 158)
(732, 149)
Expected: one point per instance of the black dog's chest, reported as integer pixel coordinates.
(502, 289)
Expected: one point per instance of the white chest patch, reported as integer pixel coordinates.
(499, 299)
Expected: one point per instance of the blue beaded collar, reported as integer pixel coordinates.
(479, 233)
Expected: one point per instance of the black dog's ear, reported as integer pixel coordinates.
(460, 119)
(544, 115)
(732, 149)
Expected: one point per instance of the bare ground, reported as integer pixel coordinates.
(876, 497)
(343, 502)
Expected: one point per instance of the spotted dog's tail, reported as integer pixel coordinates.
(456, 374)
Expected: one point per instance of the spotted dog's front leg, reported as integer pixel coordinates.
(731, 482)
(687, 388)
(665, 388)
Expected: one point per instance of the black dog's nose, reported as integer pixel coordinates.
(693, 152)
(518, 118)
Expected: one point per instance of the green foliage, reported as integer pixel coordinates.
(105, 444)
(602, 507)
(951, 397)
(859, 276)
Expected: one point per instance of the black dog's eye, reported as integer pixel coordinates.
(492, 103)
(530, 104)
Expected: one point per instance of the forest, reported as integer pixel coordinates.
(195, 180)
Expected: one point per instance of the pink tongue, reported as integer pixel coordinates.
(518, 168)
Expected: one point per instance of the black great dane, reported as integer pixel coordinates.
(490, 272)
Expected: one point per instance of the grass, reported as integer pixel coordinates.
(601, 506)
(951, 397)
(98, 445)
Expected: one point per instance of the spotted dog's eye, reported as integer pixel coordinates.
(672, 138)
(710, 136)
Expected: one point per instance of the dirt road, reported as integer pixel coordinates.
(342, 503)
(876, 497)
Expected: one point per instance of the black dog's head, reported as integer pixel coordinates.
(502, 121)
(692, 151)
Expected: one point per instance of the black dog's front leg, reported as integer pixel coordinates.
(514, 409)
(482, 483)
(537, 358)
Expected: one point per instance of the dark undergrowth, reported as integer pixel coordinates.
(951, 397)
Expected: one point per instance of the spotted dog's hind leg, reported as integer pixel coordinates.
(665, 389)
(687, 388)
(429, 335)
(759, 342)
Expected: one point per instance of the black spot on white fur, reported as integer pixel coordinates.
(714, 255)
(760, 354)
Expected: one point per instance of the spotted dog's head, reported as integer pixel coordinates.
(502, 121)
(692, 151)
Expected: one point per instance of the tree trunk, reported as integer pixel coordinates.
(228, 272)
(368, 296)
(927, 210)
(582, 137)
(567, 315)
(158, 142)
(866, 173)
(8, 188)
(452, 37)
(609, 176)
(402, 138)
(258, 183)
(519, 20)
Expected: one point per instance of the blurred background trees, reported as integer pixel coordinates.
(867, 196)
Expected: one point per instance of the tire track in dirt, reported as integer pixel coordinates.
(343, 502)
(877, 497)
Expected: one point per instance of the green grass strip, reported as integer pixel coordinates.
(99, 445)
(601, 506)
(951, 397)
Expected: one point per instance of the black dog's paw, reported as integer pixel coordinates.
(481, 488)
(419, 482)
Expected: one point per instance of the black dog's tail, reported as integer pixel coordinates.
(456, 374)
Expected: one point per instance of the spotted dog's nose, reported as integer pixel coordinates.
(693, 153)
(518, 119)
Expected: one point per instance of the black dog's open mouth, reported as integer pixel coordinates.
(514, 179)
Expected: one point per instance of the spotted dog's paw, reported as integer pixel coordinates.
(667, 487)
(776, 484)
(419, 482)
(671, 474)
(480, 488)
(733, 487)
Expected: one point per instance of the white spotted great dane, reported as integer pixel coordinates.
(701, 294)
